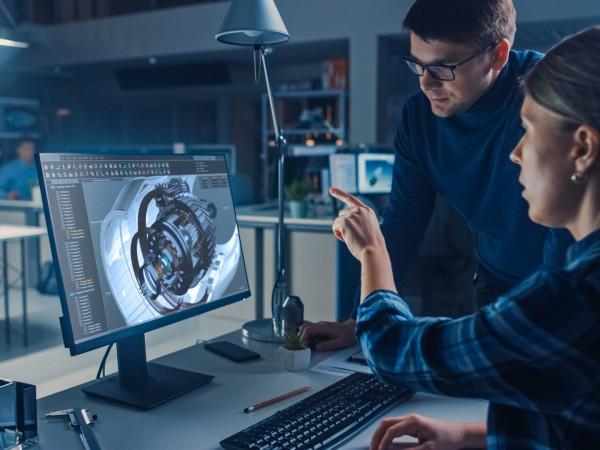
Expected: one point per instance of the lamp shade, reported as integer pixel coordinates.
(8, 38)
(253, 22)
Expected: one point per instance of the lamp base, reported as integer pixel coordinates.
(261, 330)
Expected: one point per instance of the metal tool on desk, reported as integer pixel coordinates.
(81, 421)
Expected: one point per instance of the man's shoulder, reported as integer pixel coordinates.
(11, 166)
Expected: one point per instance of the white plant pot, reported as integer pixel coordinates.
(295, 360)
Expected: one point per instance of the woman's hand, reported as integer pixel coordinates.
(357, 226)
(432, 434)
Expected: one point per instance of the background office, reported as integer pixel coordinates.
(80, 77)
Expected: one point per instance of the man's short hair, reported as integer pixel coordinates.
(477, 22)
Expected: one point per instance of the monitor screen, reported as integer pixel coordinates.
(375, 172)
(140, 241)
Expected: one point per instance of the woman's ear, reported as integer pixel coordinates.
(587, 148)
(501, 52)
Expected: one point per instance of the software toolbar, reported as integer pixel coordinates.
(105, 169)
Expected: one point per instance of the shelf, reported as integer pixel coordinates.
(298, 131)
(315, 150)
(297, 108)
(309, 94)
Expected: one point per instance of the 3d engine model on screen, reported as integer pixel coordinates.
(161, 249)
(177, 249)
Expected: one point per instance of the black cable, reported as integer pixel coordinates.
(102, 368)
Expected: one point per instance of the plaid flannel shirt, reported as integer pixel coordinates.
(534, 354)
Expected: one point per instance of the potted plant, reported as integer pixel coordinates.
(294, 355)
(296, 193)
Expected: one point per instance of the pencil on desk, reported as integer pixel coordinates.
(279, 398)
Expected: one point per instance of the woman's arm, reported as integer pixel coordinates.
(376, 273)
(534, 348)
(357, 226)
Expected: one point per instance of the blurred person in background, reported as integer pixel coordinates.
(18, 176)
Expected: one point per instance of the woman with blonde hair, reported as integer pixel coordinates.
(535, 352)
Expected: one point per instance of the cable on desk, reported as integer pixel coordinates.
(102, 368)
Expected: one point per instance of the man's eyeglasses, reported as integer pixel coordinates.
(442, 72)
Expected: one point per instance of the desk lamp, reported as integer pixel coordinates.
(258, 24)
(8, 37)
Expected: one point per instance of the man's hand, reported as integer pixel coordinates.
(432, 434)
(327, 336)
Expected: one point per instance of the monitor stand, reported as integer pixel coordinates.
(142, 384)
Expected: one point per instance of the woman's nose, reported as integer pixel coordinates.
(515, 155)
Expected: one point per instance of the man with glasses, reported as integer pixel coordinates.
(454, 140)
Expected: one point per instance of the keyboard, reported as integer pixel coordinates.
(324, 420)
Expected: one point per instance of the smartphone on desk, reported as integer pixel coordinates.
(231, 351)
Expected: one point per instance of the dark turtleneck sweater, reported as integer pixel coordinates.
(465, 159)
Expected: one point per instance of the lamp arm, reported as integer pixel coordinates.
(264, 51)
(281, 153)
(280, 290)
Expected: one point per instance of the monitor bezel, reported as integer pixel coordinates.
(93, 343)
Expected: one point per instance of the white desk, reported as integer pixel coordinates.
(21, 205)
(201, 418)
(31, 211)
(11, 233)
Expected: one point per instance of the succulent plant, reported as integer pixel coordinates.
(293, 341)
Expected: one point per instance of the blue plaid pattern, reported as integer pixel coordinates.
(534, 354)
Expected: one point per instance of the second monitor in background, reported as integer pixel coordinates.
(363, 174)
(374, 173)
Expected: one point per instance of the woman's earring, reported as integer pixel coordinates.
(579, 177)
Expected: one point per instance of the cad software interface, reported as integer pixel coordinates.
(139, 238)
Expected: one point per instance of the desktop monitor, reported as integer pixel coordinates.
(375, 172)
(139, 242)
